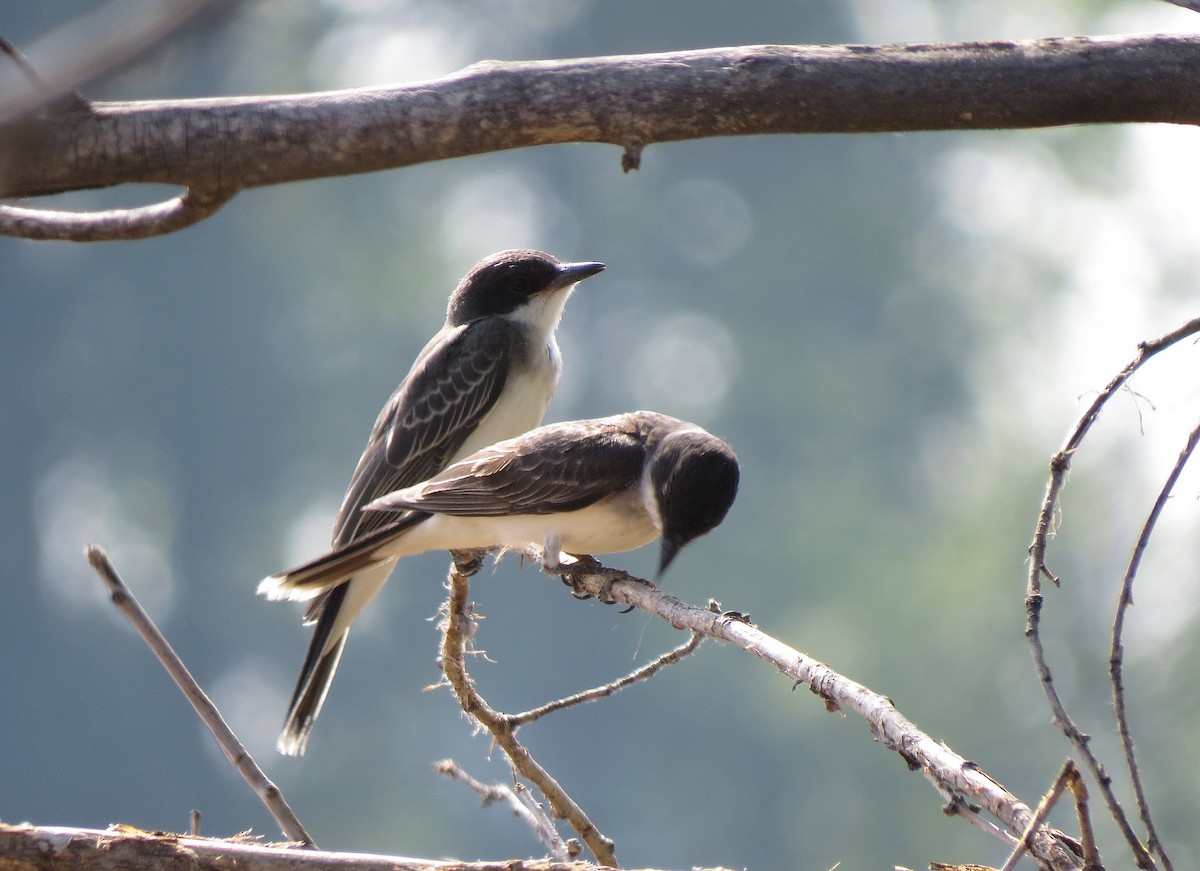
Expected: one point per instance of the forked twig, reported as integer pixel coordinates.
(457, 631)
(534, 816)
(1060, 464)
(1117, 650)
(237, 755)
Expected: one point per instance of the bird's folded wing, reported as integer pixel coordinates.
(452, 385)
(562, 467)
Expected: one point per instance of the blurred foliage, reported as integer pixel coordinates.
(893, 331)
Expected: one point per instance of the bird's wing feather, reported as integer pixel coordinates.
(562, 467)
(452, 385)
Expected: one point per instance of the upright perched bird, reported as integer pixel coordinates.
(488, 374)
(580, 487)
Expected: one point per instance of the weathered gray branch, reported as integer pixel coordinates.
(227, 144)
(961, 780)
(44, 848)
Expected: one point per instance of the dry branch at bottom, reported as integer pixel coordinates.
(46, 848)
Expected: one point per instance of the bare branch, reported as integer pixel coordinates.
(1117, 650)
(952, 774)
(629, 101)
(534, 817)
(141, 223)
(123, 848)
(646, 672)
(237, 755)
(457, 632)
(1087, 835)
(90, 45)
(1060, 464)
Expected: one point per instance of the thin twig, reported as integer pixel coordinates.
(1060, 464)
(646, 672)
(492, 793)
(957, 805)
(143, 222)
(1117, 651)
(457, 630)
(237, 755)
(1087, 835)
(1044, 807)
(952, 774)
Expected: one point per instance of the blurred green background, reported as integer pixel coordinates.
(893, 331)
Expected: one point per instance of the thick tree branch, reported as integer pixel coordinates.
(227, 144)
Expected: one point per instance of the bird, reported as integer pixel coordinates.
(576, 488)
(488, 374)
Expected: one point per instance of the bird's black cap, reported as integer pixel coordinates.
(695, 477)
(503, 282)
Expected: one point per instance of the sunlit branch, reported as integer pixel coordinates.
(953, 775)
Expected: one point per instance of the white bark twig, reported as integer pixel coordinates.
(953, 774)
(239, 757)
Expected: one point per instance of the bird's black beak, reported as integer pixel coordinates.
(667, 553)
(570, 273)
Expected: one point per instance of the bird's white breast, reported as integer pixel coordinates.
(523, 401)
(612, 525)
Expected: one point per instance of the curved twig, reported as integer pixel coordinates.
(1060, 464)
(1117, 651)
(239, 757)
(952, 774)
(456, 634)
(190, 207)
(645, 672)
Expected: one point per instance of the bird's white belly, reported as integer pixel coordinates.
(611, 526)
(521, 406)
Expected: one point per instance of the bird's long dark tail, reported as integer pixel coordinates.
(315, 676)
